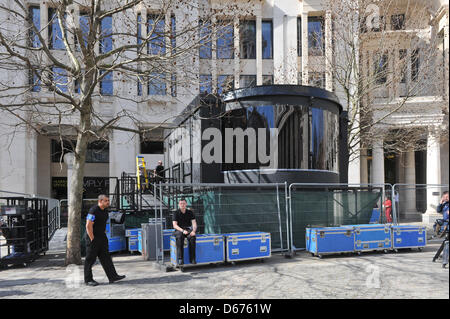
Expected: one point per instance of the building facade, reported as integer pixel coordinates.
(262, 42)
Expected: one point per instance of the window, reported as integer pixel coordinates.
(106, 35)
(34, 81)
(139, 86)
(205, 83)
(34, 20)
(225, 83)
(152, 141)
(173, 34)
(299, 36)
(247, 37)
(398, 22)
(139, 29)
(106, 84)
(205, 49)
(97, 151)
(378, 24)
(246, 81)
(59, 79)
(267, 39)
(415, 63)
(316, 43)
(267, 79)
(402, 57)
(84, 27)
(55, 35)
(225, 40)
(155, 33)
(316, 79)
(380, 68)
(157, 84)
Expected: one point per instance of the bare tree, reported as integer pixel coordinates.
(58, 71)
(387, 63)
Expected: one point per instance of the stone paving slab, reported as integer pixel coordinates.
(404, 275)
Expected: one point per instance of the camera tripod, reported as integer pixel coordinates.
(441, 248)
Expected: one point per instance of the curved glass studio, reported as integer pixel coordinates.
(297, 134)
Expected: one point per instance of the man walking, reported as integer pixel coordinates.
(97, 243)
(185, 226)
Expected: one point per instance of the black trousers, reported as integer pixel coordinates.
(98, 248)
(180, 245)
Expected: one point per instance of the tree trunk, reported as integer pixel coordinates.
(73, 252)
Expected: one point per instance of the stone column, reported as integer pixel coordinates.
(304, 48)
(378, 162)
(433, 177)
(364, 178)
(409, 191)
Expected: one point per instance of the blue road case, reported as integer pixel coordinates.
(330, 240)
(167, 233)
(132, 243)
(408, 236)
(117, 244)
(372, 237)
(131, 232)
(209, 249)
(247, 246)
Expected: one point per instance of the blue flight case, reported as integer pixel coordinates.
(209, 249)
(330, 240)
(132, 235)
(131, 232)
(116, 237)
(369, 237)
(408, 236)
(167, 233)
(247, 246)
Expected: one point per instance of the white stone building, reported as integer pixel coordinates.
(275, 42)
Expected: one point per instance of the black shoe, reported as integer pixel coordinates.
(117, 278)
(91, 283)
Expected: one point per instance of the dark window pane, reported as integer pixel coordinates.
(84, 27)
(380, 69)
(34, 81)
(55, 35)
(299, 36)
(106, 84)
(402, 57)
(398, 22)
(97, 152)
(157, 84)
(173, 34)
(225, 83)
(34, 20)
(247, 81)
(267, 79)
(248, 39)
(415, 63)
(316, 43)
(205, 49)
(225, 40)
(152, 147)
(106, 35)
(139, 29)
(267, 39)
(155, 34)
(60, 79)
(205, 83)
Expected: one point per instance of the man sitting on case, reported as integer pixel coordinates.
(185, 226)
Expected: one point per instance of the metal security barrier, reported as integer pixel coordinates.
(328, 205)
(411, 201)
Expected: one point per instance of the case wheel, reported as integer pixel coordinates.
(385, 251)
(396, 250)
(359, 253)
(420, 248)
(320, 256)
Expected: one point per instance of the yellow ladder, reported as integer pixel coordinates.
(140, 168)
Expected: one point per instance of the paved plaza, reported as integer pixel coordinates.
(405, 275)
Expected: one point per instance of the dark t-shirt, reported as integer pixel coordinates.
(183, 220)
(99, 217)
